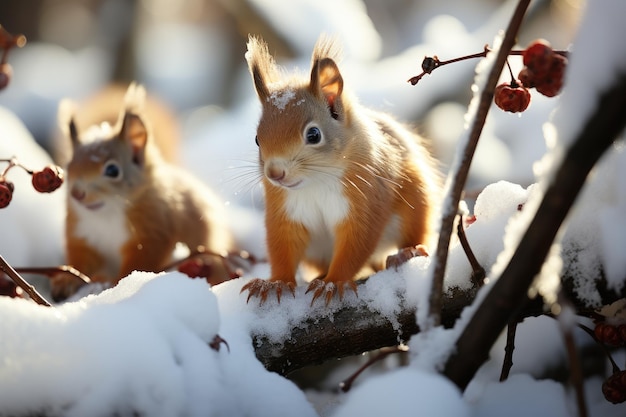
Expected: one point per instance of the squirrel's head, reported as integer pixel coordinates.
(107, 161)
(302, 132)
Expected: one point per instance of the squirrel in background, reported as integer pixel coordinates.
(345, 186)
(103, 106)
(127, 207)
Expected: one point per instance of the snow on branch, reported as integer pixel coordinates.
(353, 330)
(508, 293)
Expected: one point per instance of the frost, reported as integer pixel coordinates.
(281, 98)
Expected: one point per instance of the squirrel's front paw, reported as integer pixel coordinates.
(261, 288)
(321, 287)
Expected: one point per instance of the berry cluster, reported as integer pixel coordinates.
(45, 181)
(614, 388)
(7, 42)
(543, 70)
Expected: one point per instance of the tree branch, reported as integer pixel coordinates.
(460, 177)
(352, 331)
(508, 293)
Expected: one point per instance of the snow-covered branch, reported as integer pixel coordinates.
(508, 294)
(353, 330)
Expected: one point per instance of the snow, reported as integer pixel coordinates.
(373, 398)
(143, 346)
(534, 397)
(147, 352)
(280, 99)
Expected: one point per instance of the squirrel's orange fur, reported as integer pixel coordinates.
(345, 186)
(127, 207)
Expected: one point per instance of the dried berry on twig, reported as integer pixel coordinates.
(512, 97)
(45, 181)
(48, 179)
(614, 388)
(544, 68)
(538, 57)
(6, 192)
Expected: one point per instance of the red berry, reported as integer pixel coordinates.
(6, 72)
(6, 193)
(538, 57)
(512, 97)
(621, 329)
(551, 84)
(48, 179)
(608, 334)
(614, 388)
(526, 77)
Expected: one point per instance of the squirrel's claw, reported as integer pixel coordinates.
(328, 289)
(261, 288)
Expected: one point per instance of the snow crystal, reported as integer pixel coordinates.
(281, 98)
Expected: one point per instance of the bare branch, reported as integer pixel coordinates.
(21, 282)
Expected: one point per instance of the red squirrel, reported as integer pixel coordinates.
(345, 186)
(127, 208)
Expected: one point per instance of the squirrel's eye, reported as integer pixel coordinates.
(313, 135)
(256, 140)
(112, 170)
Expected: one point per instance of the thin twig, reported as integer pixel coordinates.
(460, 177)
(507, 364)
(14, 162)
(478, 272)
(19, 281)
(432, 63)
(576, 373)
(50, 271)
(346, 384)
(606, 351)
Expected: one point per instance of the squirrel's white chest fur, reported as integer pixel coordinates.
(104, 229)
(319, 207)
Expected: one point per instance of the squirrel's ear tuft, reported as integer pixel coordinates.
(65, 117)
(132, 128)
(135, 134)
(262, 66)
(326, 80)
(135, 98)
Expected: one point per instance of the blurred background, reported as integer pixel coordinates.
(190, 56)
